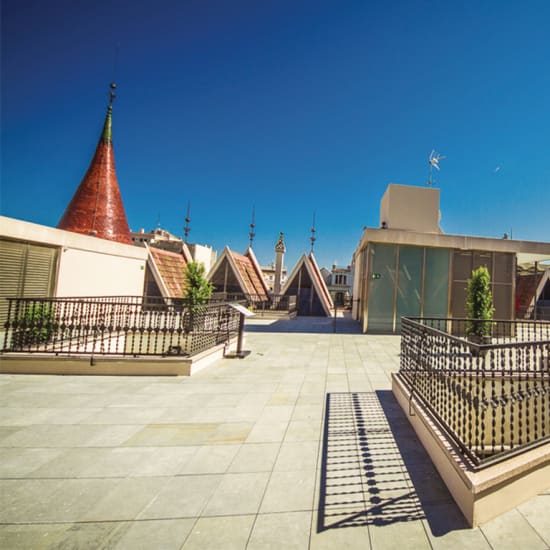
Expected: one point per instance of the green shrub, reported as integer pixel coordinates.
(197, 292)
(35, 326)
(479, 303)
(198, 289)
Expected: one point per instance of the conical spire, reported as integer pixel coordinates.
(96, 208)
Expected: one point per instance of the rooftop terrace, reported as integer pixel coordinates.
(300, 445)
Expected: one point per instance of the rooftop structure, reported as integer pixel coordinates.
(307, 284)
(162, 239)
(165, 273)
(96, 208)
(236, 273)
(408, 267)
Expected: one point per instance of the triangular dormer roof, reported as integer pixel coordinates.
(306, 275)
(96, 207)
(168, 270)
(239, 273)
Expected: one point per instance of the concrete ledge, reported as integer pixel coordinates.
(36, 363)
(484, 494)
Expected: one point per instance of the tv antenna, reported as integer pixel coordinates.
(433, 160)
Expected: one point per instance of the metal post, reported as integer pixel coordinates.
(535, 297)
(239, 352)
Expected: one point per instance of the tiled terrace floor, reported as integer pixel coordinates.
(300, 445)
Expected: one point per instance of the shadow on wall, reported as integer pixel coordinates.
(375, 471)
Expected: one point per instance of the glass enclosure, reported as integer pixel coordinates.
(381, 287)
(409, 283)
(436, 282)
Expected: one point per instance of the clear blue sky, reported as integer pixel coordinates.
(290, 106)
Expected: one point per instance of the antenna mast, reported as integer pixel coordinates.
(186, 229)
(251, 233)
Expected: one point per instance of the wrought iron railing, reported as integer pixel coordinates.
(540, 312)
(260, 303)
(492, 398)
(124, 326)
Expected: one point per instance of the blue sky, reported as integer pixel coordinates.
(292, 107)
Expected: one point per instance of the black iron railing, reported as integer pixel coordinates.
(260, 304)
(492, 397)
(540, 312)
(123, 325)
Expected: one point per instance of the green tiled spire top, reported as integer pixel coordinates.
(107, 134)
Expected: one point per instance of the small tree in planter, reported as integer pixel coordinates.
(479, 305)
(34, 326)
(198, 290)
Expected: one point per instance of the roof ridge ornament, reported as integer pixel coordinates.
(313, 238)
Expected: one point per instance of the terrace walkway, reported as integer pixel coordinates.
(300, 445)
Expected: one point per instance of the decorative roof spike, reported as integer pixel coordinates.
(251, 233)
(96, 207)
(280, 246)
(112, 94)
(313, 238)
(186, 229)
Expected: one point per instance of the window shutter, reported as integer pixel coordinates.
(12, 258)
(26, 270)
(39, 273)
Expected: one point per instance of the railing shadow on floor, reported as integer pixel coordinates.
(375, 471)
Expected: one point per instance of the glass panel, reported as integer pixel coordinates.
(381, 288)
(502, 300)
(504, 267)
(483, 258)
(436, 282)
(409, 282)
(462, 265)
(459, 299)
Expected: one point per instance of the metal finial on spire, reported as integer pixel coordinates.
(251, 233)
(313, 238)
(112, 94)
(186, 229)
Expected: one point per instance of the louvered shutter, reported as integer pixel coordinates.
(39, 273)
(26, 270)
(12, 260)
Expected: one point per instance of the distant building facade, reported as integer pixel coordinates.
(269, 273)
(164, 240)
(340, 285)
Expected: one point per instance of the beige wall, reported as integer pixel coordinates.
(88, 273)
(203, 254)
(411, 208)
(87, 266)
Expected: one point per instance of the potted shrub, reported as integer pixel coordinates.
(35, 326)
(479, 306)
(197, 292)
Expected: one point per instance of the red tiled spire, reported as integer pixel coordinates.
(96, 208)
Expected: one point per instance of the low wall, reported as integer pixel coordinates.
(36, 363)
(484, 494)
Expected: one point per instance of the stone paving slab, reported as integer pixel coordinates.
(300, 445)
